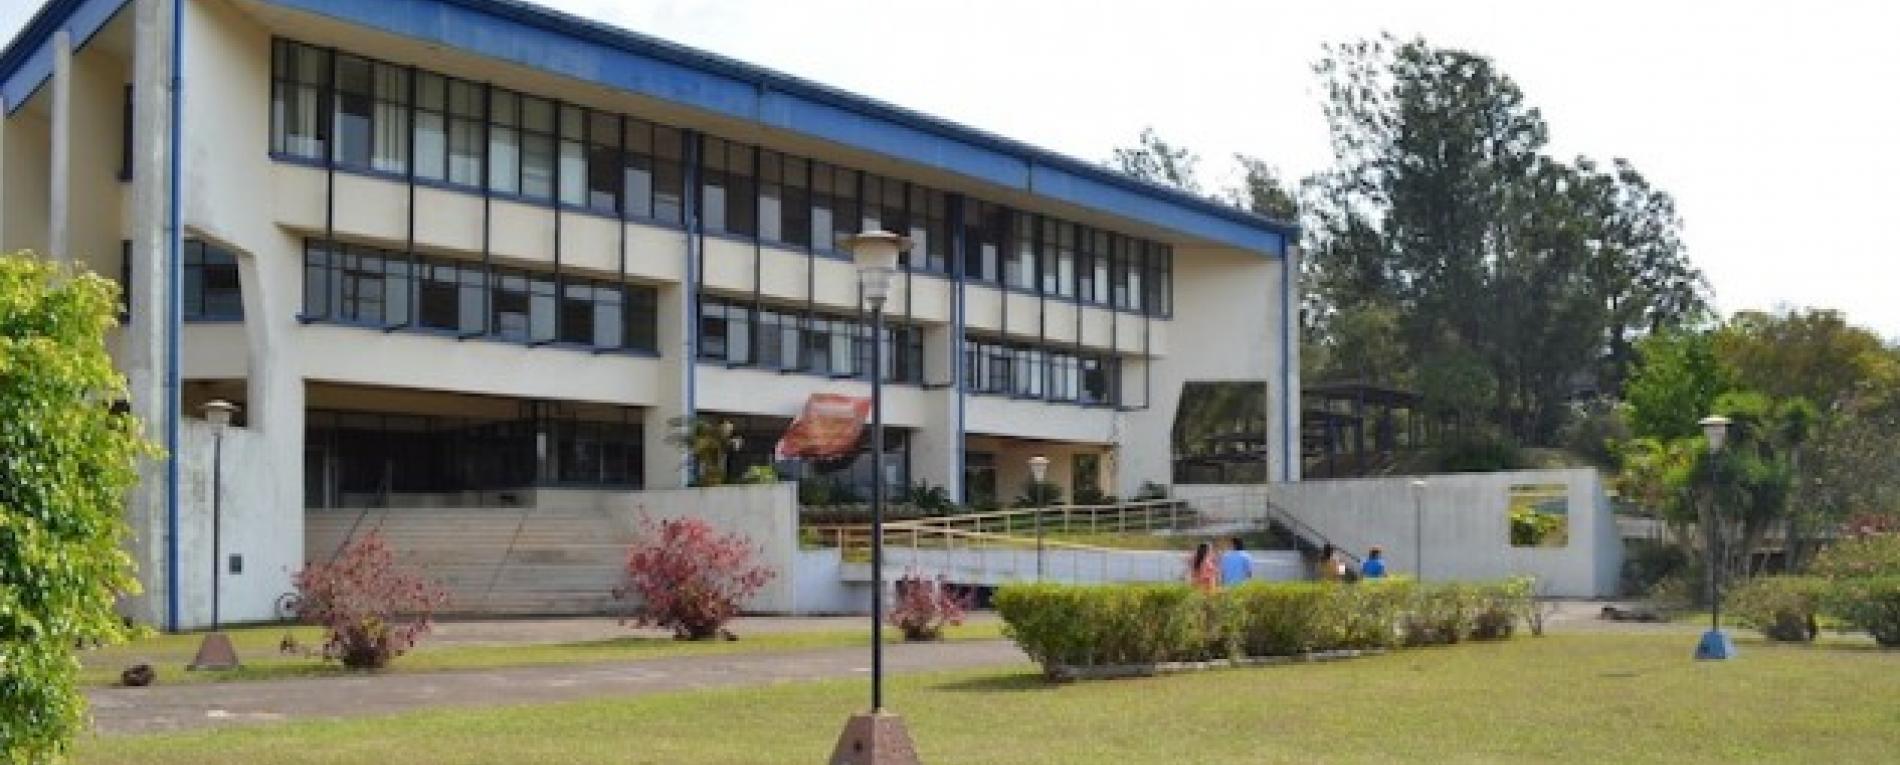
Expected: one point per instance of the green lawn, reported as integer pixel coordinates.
(1585, 698)
(258, 648)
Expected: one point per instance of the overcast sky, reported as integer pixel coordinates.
(1775, 125)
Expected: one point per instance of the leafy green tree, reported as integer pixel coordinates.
(1675, 384)
(1155, 160)
(1816, 355)
(1261, 191)
(67, 457)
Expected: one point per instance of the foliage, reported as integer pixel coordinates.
(1529, 528)
(1477, 453)
(930, 500)
(67, 457)
(1594, 429)
(1782, 607)
(1814, 355)
(1873, 555)
(1150, 491)
(1089, 495)
(1041, 494)
(1674, 385)
(1502, 264)
(1869, 603)
(689, 577)
(759, 475)
(706, 442)
(925, 606)
(1096, 625)
(1647, 562)
(1155, 160)
(1262, 191)
(371, 608)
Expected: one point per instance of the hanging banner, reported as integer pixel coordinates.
(829, 427)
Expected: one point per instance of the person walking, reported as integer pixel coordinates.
(1202, 572)
(1236, 565)
(1329, 568)
(1374, 567)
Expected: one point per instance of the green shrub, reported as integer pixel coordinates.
(1440, 614)
(1782, 607)
(1869, 603)
(1366, 614)
(1872, 555)
(1647, 562)
(1497, 608)
(1095, 625)
(1285, 619)
(67, 457)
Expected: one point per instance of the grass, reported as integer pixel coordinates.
(258, 648)
(1578, 697)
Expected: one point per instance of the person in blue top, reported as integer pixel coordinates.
(1374, 567)
(1236, 565)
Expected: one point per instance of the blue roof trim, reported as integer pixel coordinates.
(591, 51)
(27, 62)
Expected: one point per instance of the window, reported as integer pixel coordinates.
(784, 200)
(1058, 258)
(543, 308)
(1099, 380)
(985, 227)
(726, 187)
(504, 142)
(724, 332)
(1019, 258)
(1160, 283)
(440, 297)
(211, 290)
(431, 142)
(125, 136)
(537, 148)
(372, 107)
(1132, 262)
(643, 316)
(1024, 370)
(358, 285)
(603, 162)
(465, 133)
(778, 340)
(652, 172)
(300, 74)
(834, 206)
(573, 169)
(883, 208)
(510, 306)
(929, 232)
(1091, 266)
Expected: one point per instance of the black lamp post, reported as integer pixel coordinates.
(1038, 473)
(216, 651)
(876, 736)
(1715, 644)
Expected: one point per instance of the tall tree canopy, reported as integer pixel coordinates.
(1157, 161)
(1443, 204)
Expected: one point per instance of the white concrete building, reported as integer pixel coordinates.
(444, 251)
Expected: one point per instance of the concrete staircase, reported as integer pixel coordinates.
(499, 561)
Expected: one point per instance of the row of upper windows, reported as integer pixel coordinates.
(1054, 373)
(362, 114)
(789, 340)
(382, 288)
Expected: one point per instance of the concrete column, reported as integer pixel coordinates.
(271, 284)
(935, 447)
(144, 356)
(663, 460)
(59, 223)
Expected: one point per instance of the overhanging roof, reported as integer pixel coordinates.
(565, 45)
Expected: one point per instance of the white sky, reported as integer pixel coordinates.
(1775, 125)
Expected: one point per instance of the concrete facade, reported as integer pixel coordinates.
(61, 193)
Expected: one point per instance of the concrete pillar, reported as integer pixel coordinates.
(144, 355)
(935, 447)
(272, 290)
(59, 222)
(663, 460)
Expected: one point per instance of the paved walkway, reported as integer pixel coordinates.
(181, 707)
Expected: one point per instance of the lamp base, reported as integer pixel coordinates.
(215, 653)
(874, 738)
(1715, 646)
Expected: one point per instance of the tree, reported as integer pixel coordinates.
(1812, 354)
(1443, 202)
(1674, 385)
(1261, 191)
(67, 457)
(1157, 161)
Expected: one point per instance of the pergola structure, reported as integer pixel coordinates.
(1355, 428)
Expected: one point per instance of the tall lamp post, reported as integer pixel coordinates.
(1715, 644)
(216, 651)
(877, 737)
(1418, 526)
(1038, 473)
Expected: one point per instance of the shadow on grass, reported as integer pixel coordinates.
(1015, 682)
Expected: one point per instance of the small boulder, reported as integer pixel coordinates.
(138, 676)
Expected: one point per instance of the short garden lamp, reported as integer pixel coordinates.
(876, 737)
(1038, 474)
(216, 651)
(1715, 644)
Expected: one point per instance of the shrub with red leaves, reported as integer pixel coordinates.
(925, 606)
(689, 577)
(374, 610)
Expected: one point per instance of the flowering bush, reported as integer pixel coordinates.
(1870, 555)
(690, 578)
(374, 610)
(925, 606)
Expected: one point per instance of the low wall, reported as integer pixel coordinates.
(1457, 523)
(267, 540)
(767, 513)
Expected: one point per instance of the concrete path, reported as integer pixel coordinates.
(182, 707)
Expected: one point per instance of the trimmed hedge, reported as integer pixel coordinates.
(1783, 608)
(1071, 626)
(1869, 603)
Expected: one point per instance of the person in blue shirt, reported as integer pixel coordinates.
(1236, 565)
(1374, 567)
